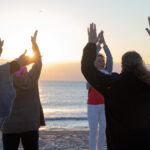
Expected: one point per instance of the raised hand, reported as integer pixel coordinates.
(101, 39)
(35, 47)
(92, 34)
(148, 30)
(24, 60)
(1, 46)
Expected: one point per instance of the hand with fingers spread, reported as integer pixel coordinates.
(35, 47)
(1, 46)
(148, 30)
(92, 34)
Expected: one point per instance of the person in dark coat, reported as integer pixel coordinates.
(126, 95)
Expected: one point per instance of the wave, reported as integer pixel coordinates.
(65, 118)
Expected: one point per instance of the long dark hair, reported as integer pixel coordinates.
(132, 62)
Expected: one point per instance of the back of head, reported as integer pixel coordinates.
(20, 79)
(132, 62)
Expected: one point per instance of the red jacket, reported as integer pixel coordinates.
(94, 97)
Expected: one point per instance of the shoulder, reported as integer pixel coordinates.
(115, 76)
(104, 71)
(4, 67)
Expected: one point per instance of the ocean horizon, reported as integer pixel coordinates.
(64, 104)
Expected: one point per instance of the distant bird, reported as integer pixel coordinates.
(40, 11)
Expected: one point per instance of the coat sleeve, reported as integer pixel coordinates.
(7, 92)
(109, 59)
(29, 79)
(14, 66)
(100, 81)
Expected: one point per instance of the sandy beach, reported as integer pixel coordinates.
(60, 139)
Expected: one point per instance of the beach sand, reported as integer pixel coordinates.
(62, 139)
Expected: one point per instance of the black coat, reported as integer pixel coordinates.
(127, 104)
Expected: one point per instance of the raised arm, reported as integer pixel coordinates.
(35, 71)
(15, 65)
(148, 30)
(35, 47)
(97, 79)
(109, 59)
(1, 46)
(28, 80)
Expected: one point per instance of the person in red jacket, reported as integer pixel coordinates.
(95, 101)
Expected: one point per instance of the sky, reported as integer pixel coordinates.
(62, 27)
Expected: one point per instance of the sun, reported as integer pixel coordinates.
(30, 53)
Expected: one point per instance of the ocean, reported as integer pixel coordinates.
(64, 104)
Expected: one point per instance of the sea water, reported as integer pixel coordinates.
(64, 104)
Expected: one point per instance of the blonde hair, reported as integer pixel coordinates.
(99, 55)
(132, 61)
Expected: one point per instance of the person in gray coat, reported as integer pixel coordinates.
(27, 114)
(7, 91)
